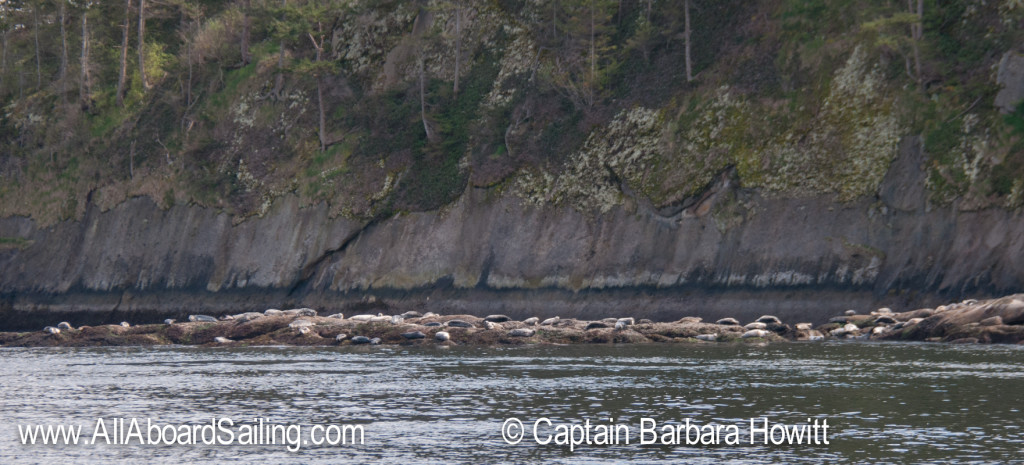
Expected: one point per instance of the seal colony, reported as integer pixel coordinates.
(991, 321)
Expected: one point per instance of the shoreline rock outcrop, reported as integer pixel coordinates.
(990, 321)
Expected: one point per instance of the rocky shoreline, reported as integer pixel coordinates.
(991, 321)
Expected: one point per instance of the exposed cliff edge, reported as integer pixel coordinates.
(733, 250)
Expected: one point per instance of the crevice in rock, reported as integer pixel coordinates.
(311, 268)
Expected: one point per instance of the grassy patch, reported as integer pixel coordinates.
(19, 243)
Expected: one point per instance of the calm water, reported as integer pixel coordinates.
(885, 403)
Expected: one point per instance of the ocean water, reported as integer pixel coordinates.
(883, 403)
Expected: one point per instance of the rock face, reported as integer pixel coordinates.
(1010, 78)
(489, 252)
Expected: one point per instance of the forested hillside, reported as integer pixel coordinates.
(383, 107)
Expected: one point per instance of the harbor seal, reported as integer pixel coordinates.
(550, 321)
(360, 340)
(51, 330)
(497, 318)
(596, 325)
(769, 319)
(301, 311)
(755, 333)
(756, 325)
(222, 340)
(531, 321)
(885, 320)
(522, 332)
(708, 337)
(414, 335)
(442, 336)
(458, 324)
(202, 318)
(64, 326)
(728, 322)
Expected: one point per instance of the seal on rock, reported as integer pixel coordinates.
(728, 322)
(769, 319)
(51, 330)
(756, 325)
(522, 332)
(550, 321)
(300, 312)
(203, 318)
(755, 333)
(222, 340)
(170, 321)
(708, 337)
(340, 337)
(414, 335)
(442, 336)
(337, 316)
(272, 312)
(125, 324)
(412, 314)
(497, 318)
(531, 321)
(628, 321)
(459, 324)
(360, 340)
(596, 325)
(885, 320)
(433, 323)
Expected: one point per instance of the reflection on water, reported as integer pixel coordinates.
(886, 403)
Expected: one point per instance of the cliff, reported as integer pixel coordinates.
(737, 253)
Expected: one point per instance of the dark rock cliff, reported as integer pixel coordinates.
(729, 252)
